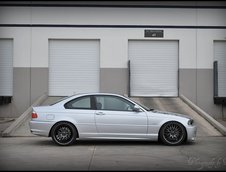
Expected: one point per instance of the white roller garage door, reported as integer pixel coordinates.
(220, 57)
(73, 67)
(154, 68)
(6, 67)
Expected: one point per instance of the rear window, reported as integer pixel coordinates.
(79, 103)
(59, 100)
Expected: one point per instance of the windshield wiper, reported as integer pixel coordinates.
(151, 109)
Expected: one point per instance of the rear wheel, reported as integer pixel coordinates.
(173, 133)
(64, 134)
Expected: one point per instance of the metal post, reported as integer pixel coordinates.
(128, 78)
(215, 78)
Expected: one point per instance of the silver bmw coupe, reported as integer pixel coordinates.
(109, 116)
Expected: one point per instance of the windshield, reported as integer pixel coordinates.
(143, 106)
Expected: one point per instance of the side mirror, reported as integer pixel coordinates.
(136, 108)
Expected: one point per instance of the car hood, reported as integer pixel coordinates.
(170, 113)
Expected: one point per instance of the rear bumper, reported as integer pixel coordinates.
(191, 133)
(40, 128)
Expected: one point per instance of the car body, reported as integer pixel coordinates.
(109, 116)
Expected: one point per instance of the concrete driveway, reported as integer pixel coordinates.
(40, 153)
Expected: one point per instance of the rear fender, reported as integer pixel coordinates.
(67, 122)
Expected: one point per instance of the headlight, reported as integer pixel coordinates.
(190, 122)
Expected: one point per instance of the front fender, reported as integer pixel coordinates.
(156, 122)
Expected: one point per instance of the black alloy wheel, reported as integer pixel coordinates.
(63, 134)
(173, 133)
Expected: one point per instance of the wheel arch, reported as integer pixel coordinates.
(49, 135)
(166, 122)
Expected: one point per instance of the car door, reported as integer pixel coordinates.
(115, 118)
(82, 111)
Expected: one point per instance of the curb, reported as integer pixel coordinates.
(22, 117)
(7, 120)
(205, 115)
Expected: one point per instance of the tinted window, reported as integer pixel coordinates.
(113, 103)
(79, 103)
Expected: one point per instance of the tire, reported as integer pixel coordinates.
(63, 134)
(173, 133)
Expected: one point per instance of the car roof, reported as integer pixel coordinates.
(96, 93)
(71, 97)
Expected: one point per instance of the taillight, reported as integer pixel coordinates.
(34, 115)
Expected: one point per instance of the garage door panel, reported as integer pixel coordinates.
(154, 68)
(73, 67)
(220, 56)
(6, 67)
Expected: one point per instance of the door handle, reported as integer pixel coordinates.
(100, 113)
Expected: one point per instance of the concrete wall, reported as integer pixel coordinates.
(197, 85)
(30, 53)
(114, 80)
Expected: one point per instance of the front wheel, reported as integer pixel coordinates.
(173, 133)
(63, 134)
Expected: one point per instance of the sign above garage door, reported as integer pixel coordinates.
(154, 68)
(73, 66)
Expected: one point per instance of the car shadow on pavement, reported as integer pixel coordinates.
(49, 142)
(123, 143)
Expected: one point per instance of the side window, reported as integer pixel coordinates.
(79, 103)
(113, 103)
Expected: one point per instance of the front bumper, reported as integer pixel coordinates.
(191, 133)
(40, 128)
